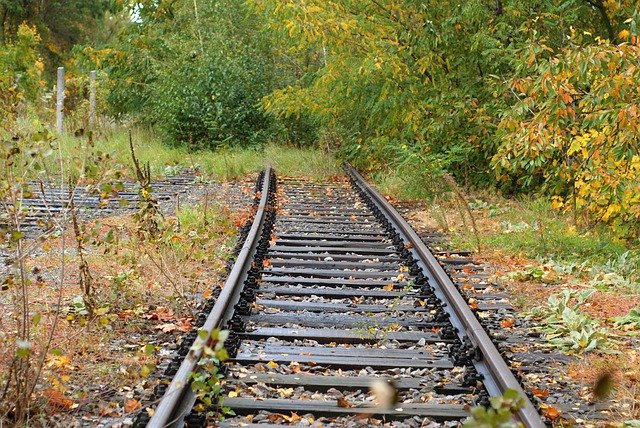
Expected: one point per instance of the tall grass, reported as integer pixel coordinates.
(229, 163)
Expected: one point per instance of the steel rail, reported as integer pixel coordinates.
(497, 375)
(177, 401)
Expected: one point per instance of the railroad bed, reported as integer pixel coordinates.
(47, 202)
(333, 294)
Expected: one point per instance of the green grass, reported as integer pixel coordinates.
(528, 227)
(547, 234)
(225, 164)
(407, 184)
(533, 230)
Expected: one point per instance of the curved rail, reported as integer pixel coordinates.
(178, 400)
(497, 375)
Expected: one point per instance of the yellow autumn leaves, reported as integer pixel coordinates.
(576, 126)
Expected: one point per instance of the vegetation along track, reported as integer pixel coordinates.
(335, 294)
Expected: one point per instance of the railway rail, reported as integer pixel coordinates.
(333, 293)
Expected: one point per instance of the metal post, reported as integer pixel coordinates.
(60, 101)
(92, 99)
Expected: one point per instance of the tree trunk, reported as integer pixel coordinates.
(3, 20)
(604, 17)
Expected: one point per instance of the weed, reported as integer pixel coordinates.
(499, 415)
(546, 274)
(629, 322)
(569, 329)
(207, 380)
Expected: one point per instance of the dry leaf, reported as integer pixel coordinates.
(295, 367)
(275, 417)
(233, 394)
(540, 392)
(272, 364)
(285, 392)
(507, 323)
(388, 287)
(167, 328)
(131, 405)
(293, 418)
(551, 413)
(57, 400)
(160, 313)
(344, 403)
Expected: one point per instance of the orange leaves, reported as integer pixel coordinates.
(542, 393)
(160, 313)
(507, 323)
(57, 400)
(342, 402)
(550, 412)
(166, 315)
(132, 405)
(577, 128)
(279, 418)
(182, 325)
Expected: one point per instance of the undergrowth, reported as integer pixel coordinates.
(229, 163)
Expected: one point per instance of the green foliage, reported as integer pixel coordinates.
(499, 415)
(62, 23)
(568, 328)
(197, 70)
(21, 77)
(207, 381)
(630, 321)
(415, 85)
(531, 228)
(574, 129)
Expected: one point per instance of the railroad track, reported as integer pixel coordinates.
(47, 202)
(333, 293)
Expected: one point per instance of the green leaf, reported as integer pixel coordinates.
(149, 349)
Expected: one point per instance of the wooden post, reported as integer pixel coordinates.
(60, 101)
(92, 99)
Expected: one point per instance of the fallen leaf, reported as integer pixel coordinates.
(184, 325)
(551, 413)
(275, 417)
(293, 418)
(131, 405)
(540, 392)
(272, 364)
(294, 366)
(160, 313)
(57, 400)
(233, 394)
(167, 328)
(507, 323)
(344, 403)
(388, 287)
(285, 392)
